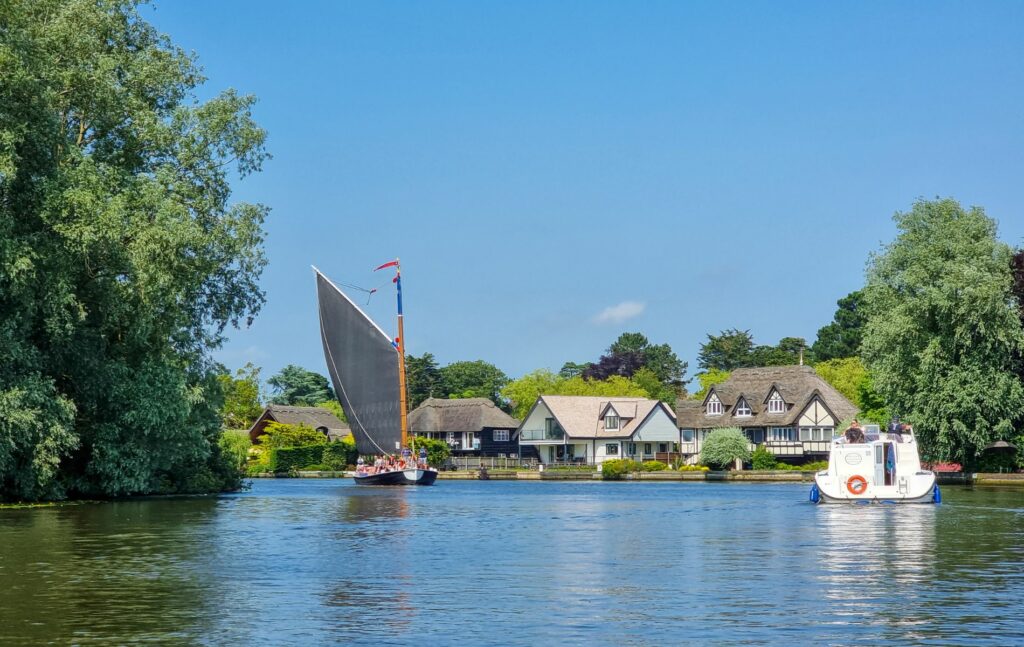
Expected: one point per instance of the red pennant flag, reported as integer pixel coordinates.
(391, 264)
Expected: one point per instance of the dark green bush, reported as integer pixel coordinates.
(339, 455)
(290, 459)
(616, 469)
(762, 459)
(653, 466)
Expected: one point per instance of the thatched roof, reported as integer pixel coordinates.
(581, 416)
(798, 386)
(466, 414)
(315, 417)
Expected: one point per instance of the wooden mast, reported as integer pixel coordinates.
(400, 347)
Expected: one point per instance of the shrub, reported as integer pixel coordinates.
(762, 459)
(438, 451)
(339, 455)
(694, 468)
(235, 446)
(723, 446)
(289, 459)
(653, 466)
(280, 435)
(616, 469)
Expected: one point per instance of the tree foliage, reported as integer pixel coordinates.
(726, 351)
(631, 353)
(849, 376)
(122, 260)
(523, 393)
(278, 434)
(723, 446)
(298, 387)
(241, 397)
(842, 337)
(476, 379)
(943, 331)
(708, 379)
(423, 379)
(438, 451)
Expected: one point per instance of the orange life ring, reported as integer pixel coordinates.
(856, 484)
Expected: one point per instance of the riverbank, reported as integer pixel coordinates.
(746, 476)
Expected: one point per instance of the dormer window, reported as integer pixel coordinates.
(714, 406)
(743, 409)
(611, 421)
(776, 404)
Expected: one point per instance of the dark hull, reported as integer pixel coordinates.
(404, 477)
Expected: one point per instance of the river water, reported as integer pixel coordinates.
(310, 562)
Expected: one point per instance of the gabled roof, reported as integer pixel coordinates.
(467, 414)
(315, 417)
(798, 386)
(582, 416)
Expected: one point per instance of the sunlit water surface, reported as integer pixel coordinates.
(311, 562)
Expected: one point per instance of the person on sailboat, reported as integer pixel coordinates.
(423, 457)
(360, 466)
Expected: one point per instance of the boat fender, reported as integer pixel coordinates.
(856, 484)
(936, 494)
(815, 493)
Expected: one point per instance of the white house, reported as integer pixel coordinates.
(589, 430)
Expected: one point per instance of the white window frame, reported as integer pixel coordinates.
(611, 422)
(648, 449)
(776, 404)
(781, 434)
(611, 449)
(501, 435)
(714, 406)
(689, 432)
(631, 449)
(743, 409)
(813, 434)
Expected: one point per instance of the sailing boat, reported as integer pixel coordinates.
(368, 371)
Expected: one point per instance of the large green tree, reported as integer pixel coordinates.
(632, 354)
(296, 386)
(122, 259)
(423, 379)
(842, 337)
(523, 392)
(728, 350)
(943, 330)
(476, 379)
(241, 396)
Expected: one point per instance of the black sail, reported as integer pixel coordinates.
(363, 364)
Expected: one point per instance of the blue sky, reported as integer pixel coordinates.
(553, 174)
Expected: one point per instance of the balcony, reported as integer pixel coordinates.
(541, 435)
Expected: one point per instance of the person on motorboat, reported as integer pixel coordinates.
(854, 434)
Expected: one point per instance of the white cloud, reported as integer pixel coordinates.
(620, 312)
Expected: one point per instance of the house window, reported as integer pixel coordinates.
(776, 404)
(501, 435)
(631, 449)
(755, 435)
(742, 408)
(611, 421)
(611, 449)
(781, 434)
(815, 433)
(687, 435)
(662, 447)
(714, 406)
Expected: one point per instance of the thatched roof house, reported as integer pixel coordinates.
(776, 405)
(473, 425)
(316, 417)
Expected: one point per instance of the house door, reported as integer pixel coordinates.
(469, 440)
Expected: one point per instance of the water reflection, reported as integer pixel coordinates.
(301, 562)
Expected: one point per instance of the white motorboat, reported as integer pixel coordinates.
(878, 467)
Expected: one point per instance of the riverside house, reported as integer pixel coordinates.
(316, 417)
(589, 430)
(789, 409)
(470, 426)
